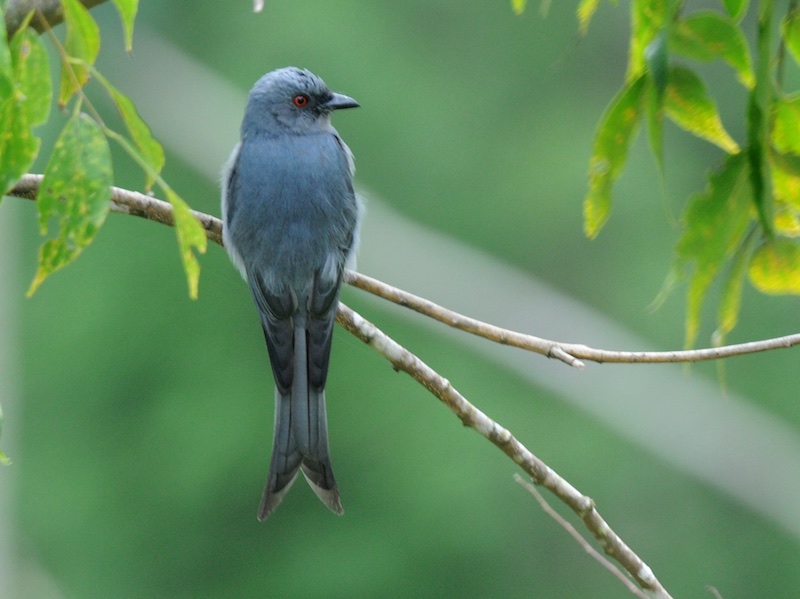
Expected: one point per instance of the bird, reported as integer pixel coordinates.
(291, 221)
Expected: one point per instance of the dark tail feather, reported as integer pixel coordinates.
(300, 440)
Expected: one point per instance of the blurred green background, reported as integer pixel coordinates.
(140, 422)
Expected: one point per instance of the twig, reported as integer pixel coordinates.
(144, 206)
(587, 547)
(569, 353)
(471, 416)
(459, 321)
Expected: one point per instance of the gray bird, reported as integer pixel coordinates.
(291, 223)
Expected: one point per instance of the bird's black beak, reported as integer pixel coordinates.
(338, 101)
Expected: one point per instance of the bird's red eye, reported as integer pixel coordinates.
(300, 101)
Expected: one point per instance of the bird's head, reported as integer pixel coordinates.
(292, 100)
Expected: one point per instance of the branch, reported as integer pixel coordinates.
(145, 206)
(51, 11)
(587, 547)
(134, 203)
(569, 353)
(541, 473)
(138, 204)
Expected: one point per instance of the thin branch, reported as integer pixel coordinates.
(459, 321)
(569, 353)
(471, 416)
(144, 206)
(130, 202)
(587, 547)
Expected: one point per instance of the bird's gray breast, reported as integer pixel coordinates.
(291, 210)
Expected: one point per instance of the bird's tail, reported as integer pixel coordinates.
(300, 440)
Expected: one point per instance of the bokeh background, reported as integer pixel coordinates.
(139, 422)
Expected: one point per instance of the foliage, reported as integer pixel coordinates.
(78, 177)
(747, 220)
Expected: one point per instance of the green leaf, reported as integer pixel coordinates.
(18, 146)
(32, 75)
(649, 18)
(150, 150)
(6, 81)
(127, 11)
(759, 111)
(657, 58)
(28, 106)
(736, 8)
(785, 174)
(791, 33)
(82, 43)
(756, 152)
(775, 267)
(518, 6)
(714, 224)
(586, 10)
(76, 190)
(688, 105)
(731, 299)
(657, 67)
(617, 128)
(191, 236)
(707, 36)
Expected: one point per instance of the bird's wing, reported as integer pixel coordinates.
(276, 312)
(322, 305)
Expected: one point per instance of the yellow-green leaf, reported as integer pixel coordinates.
(791, 33)
(518, 6)
(82, 43)
(617, 128)
(586, 10)
(775, 267)
(127, 11)
(785, 173)
(150, 151)
(787, 221)
(786, 124)
(191, 237)
(688, 104)
(714, 224)
(710, 35)
(75, 190)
